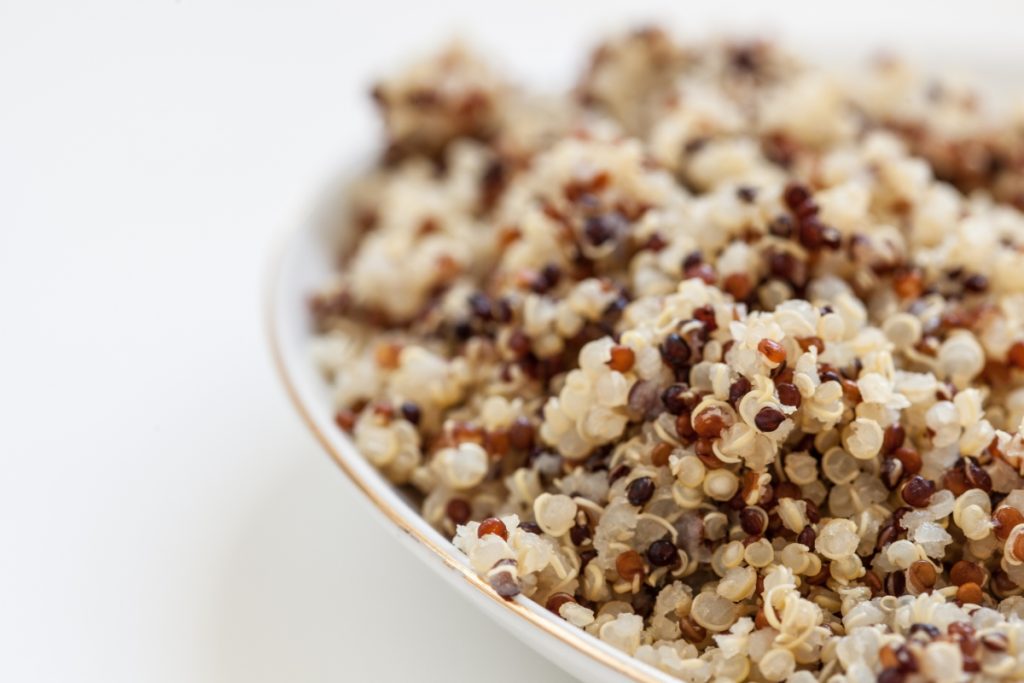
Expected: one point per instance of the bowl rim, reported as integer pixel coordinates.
(577, 639)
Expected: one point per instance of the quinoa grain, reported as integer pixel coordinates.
(493, 525)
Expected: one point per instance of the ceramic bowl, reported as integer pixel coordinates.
(305, 262)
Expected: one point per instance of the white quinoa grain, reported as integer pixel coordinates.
(759, 553)
(713, 612)
(777, 665)
(793, 514)
(555, 514)
(464, 466)
(738, 583)
(837, 539)
(902, 553)
(721, 484)
(863, 438)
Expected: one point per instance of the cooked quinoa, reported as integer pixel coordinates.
(720, 357)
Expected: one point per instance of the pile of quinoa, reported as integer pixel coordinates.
(719, 356)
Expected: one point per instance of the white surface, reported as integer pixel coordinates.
(163, 515)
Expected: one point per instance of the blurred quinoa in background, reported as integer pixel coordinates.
(720, 357)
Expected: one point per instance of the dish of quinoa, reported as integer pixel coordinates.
(718, 356)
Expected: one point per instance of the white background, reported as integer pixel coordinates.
(163, 515)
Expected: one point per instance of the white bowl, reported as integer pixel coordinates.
(305, 262)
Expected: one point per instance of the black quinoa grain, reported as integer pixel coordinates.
(753, 520)
(789, 395)
(644, 600)
(642, 402)
(886, 535)
(706, 314)
(673, 398)
(701, 271)
(781, 226)
(598, 459)
(813, 515)
(891, 675)
(976, 283)
(738, 389)
(746, 194)
(463, 330)
(480, 305)
(745, 58)
(640, 490)
(695, 145)
(795, 195)
(411, 412)
(926, 629)
(555, 602)
(684, 426)
(531, 528)
(655, 243)
(996, 642)
(504, 583)
(768, 419)
(519, 343)
(830, 375)
(585, 558)
(458, 510)
(893, 437)
(492, 182)
(580, 534)
(691, 630)
(811, 233)
(891, 472)
(976, 475)
(675, 351)
(787, 267)
(501, 310)
(693, 259)
(662, 553)
(918, 491)
(551, 274)
(602, 228)
(521, 433)
(619, 472)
